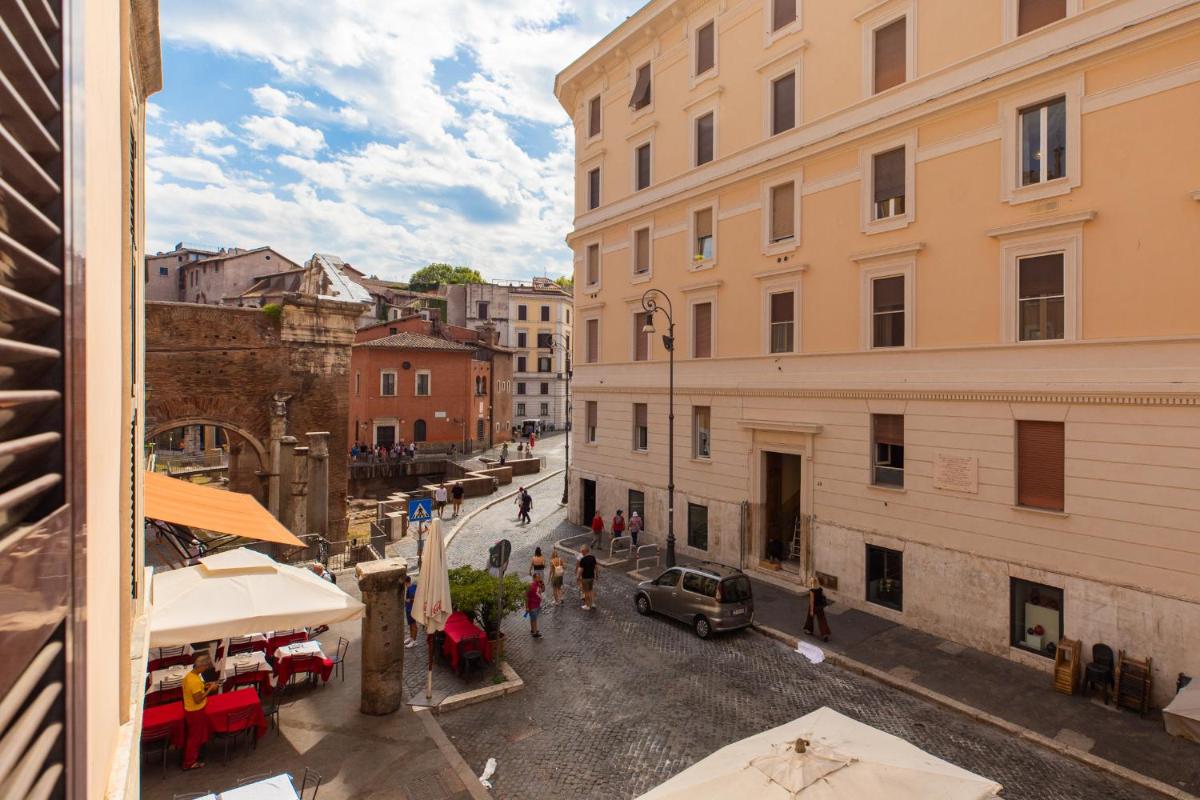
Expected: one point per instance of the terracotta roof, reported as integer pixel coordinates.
(417, 341)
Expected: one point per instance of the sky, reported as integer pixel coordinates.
(391, 133)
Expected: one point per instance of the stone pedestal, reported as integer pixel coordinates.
(383, 628)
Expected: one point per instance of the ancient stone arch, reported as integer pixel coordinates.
(181, 422)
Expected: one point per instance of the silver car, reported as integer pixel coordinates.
(709, 597)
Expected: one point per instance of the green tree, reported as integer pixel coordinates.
(566, 281)
(444, 273)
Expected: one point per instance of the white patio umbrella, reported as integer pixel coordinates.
(431, 604)
(237, 592)
(842, 759)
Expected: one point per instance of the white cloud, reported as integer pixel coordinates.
(188, 168)
(203, 137)
(280, 132)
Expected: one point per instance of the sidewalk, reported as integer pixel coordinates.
(1012, 692)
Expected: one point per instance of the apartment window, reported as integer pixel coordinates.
(520, 388)
(783, 212)
(544, 410)
(887, 434)
(520, 409)
(545, 313)
(387, 384)
(887, 311)
(522, 363)
(545, 388)
(1034, 14)
(783, 322)
(887, 175)
(1041, 455)
(890, 56)
(424, 383)
(594, 188)
(705, 129)
(641, 431)
(697, 526)
(641, 89)
(1036, 617)
(545, 341)
(483, 311)
(522, 339)
(706, 48)
(1041, 297)
(592, 264)
(783, 103)
(642, 156)
(594, 116)
(568, 313)
(702, 334)
(357, 384)
(164, 271)
(522, 313)
(641, 251)
(544, 364)
(703, 245)
(1043, 142)
(885, 577)
(592, 326)
(702, 432)
(641, 340)
(783, 13)
(592, 415)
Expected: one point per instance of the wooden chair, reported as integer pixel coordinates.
(157, 736)
(1133, 683)
(237, 723)
(1066, 665)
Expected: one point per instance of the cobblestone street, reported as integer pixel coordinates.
(615, 703)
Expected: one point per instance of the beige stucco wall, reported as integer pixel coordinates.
(561, 324)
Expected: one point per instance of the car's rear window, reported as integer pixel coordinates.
(700, 584)
(735, 590)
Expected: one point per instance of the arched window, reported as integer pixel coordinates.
(419, 431)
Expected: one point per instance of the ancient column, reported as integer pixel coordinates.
(287, 483)
(318, 483)
(382, 587)
(278, 430)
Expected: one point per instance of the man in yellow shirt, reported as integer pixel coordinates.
(195, 697)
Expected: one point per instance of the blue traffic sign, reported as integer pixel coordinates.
(420, 510)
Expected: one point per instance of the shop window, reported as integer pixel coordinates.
(885, 577)
(1036, 616)
(697, 526)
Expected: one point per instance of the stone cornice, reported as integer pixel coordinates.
(1042, 224)
(960, 395)
(889, 252)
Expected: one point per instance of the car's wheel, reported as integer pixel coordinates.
(702, 627)
(643, 604)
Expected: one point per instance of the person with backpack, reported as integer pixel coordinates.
(635, 527)
(618, 524)
(597, 529)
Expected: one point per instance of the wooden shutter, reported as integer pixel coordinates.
(783, 13)
(1041, 455)
(641, 89)
(641, 250)
(704, 139)
(1034, 14)
(888, 169)
(888, 428)
(593, 340)
(783, 103)
(641, 341)
(702, 333)
(594, 116)
(890, 57)
(783, 218)
(39, 535)
(706, 51)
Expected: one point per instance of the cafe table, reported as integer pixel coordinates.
(170, 714)
(175, 673)
(463, 635)
(247, 663)
(276, 788)
(220, 706)
(290, 658)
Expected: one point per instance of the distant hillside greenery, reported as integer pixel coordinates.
(437, 274)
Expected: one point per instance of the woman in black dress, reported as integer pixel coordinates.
(816, 610)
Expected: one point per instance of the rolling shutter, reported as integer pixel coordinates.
(1041, 455)
(783, 104)
(641, 347)
(704, 139)
(889, 428)
(1034, 14)
(594, 116)
(783, 218)
(702, 317)
(706, 48)
(889, 55)
(593, 340)
(888, 169)
(783, 12)
(35, 523)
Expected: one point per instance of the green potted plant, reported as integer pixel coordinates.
(475, 592)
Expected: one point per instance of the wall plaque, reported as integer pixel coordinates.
(956, 473)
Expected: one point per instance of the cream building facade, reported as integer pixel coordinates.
(932, 269)
(539, 319)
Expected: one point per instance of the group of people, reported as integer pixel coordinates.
(382, 452)
(585, 577)
(620, 527)
(455, 494)
(524, 504)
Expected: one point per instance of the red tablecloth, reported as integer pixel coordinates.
(166, 715)
(296, 664)
(220, 705)
(463, 636)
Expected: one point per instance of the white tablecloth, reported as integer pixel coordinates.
(243, 660)
(174, 673)
(277, 788)
(309, 648)
(1181, 717)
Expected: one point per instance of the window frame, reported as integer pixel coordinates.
(634, 275)
(638, 311)
(587, 246)
(520, 409)
(522, 312)
(395, 383)
(636, 430)
(781, 70)
(697, 300)
(1069, 242)
(587, 339)
(1012, 21)
(696, 431)
(428, 374)
(772, 34)
(1016, 433)
(769, 291)
(688, 526)
(697, 78)
(522, 340)
(598, 99)
(875, 463)
(873, 22)
(587, 189)
(591, 421)
(635, 67)
(866, 164)
(695, 264)
(767, 188)
(885, 553)
(646, 141)
(698, 115)
(1012, 192)
(904, 267)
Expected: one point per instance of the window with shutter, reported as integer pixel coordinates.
(702, 330)
(783, 103)
(593, 341)
(1034, 14)
(887, 311)
(641, 251)
(39, 530)
(890, 60)
(1041, 298)
(887, 172)
(594, 116)
(592, 264)
(594, 189)
(706, 48)
(703, 248)
(641, 431)
(783, 321)
(783, 212)
(887, 433)
(643, 167)
(641, 339)
(704, 138)
(702, 432)
(1041, 456)
(592, 415)
(783, 13)
(641, 89)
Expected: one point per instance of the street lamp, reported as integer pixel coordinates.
(560, 340)
(650, 304)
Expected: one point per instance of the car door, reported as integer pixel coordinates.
(695, 596)
(666, 593)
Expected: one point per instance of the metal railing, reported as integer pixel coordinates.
(342, 554)
(647, 556)
(622, 545)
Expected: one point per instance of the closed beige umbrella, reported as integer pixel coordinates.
(431, 604)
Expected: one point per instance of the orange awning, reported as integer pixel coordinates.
(231, 513)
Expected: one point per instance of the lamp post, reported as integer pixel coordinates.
(560, 340)
(650, 304)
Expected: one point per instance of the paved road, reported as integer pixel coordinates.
(615, 703)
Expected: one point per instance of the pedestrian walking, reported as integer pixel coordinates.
(533, 604)
(410, 596)
(503, 453)
(557, 570)
(537, 565)
(532, 439)
(618, 524)
(520, 501)
(635, 527)
(597, 529)
(439, 499)
(526, 507)
(817, 603)
(585, 573)
(456, 494)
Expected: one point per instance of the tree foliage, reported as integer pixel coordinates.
(443, 274)
(473, 592)
(566, 281)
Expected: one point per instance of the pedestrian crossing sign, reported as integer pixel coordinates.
(420, 510)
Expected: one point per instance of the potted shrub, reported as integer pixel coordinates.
(475, 593)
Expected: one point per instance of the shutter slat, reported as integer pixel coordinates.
(33, 765)
(15, 502)
(17, 739)
(35, 271)
(24, 171)
(24, 124)
(20, 457)
(1041, 452)
(890, 58)
(46, 18)
(889, 428)
(22, 213)
(11, 703)
(24, 75)
(44, 788)
(13, 352)
(29, 37)
(703, 330)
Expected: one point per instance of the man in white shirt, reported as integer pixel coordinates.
(439, 499)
